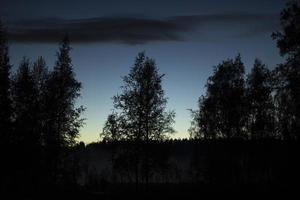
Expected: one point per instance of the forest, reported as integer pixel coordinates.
(244, 135)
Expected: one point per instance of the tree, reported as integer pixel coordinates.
(26, 136)
(6, 111)
(260, 102)
(112, 133)
(24, 99)
(142, 107)
(40, 75)
(142, 102)
(112, 130)
(288, 40)
(287, 75)
(222, 109)
(203, 124)
(5, 85)
(63, 117)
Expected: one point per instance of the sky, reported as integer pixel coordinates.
(186, 38)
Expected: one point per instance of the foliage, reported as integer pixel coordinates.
(287, 75)
(261, 109)
(5, 85)
(221, 110)
(142, 103)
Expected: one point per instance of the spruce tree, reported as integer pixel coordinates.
(24, 98)
(63, 117)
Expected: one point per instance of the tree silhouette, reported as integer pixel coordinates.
(112, 133)
(287, 75)
(26, 136)
(112, 130)
(5, 99)
(5, 106)
(287, 39)
(143, 103)
(261, 110)
(40, 75)
(63, 118)
(39, 121)
(203, 124)
(24, 101)
(142, 107)
(221, 111)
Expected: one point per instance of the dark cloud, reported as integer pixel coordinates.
(233, 18)
(226, 26)
(133, 30)
(113, 29)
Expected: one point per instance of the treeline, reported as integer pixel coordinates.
(39, 121)
(263, 104)
(194, 167)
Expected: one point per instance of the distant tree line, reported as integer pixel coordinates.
(195, 167)
(263, 104)
(39, 121)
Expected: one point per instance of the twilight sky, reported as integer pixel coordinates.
(186, 38)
